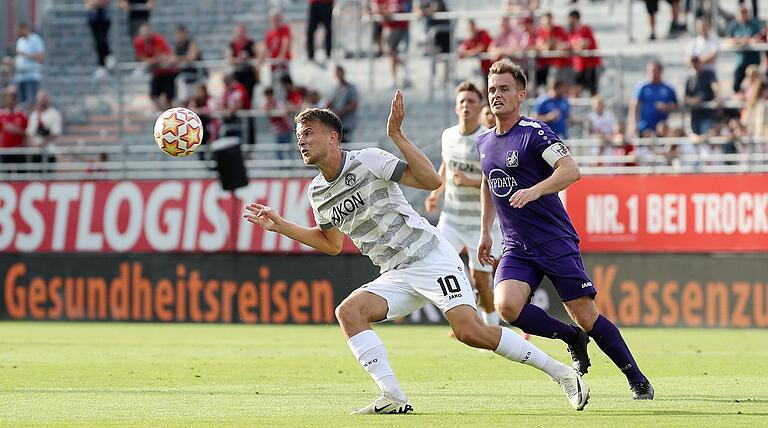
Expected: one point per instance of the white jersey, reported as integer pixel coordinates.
(461, 207)
(365, 202)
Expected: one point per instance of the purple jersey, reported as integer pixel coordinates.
(519, 159)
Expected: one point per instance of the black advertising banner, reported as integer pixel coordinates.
(179, 288)
(695, 290)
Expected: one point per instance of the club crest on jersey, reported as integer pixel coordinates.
(500, 183)
(511, 158)
(350, 179)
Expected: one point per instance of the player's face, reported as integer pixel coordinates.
(504, 94)
(468, 106)
(314, 141)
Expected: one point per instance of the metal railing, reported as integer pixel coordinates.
(263, 160)
(147, 161)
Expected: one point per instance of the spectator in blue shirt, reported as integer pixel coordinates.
(552, 108)
(743, 32)
(652, 102)
(30, 54)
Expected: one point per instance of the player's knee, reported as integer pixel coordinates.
(470, 335)
(585, 319)
(509, 311)
(347, 312)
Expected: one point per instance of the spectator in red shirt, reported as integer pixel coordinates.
(278, 41)
(294, 95)
(278, 121)
(234, 99)
(552, 38)
(240, 53)
(13, 126)
(205, 106)
(476, 45)
(397, 36)
(152, 49)
(581, 38)
(513, 40)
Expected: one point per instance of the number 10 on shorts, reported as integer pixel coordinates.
(449, 284)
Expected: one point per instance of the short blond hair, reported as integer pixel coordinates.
(504, 66)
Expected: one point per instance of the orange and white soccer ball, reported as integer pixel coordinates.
(178, 132)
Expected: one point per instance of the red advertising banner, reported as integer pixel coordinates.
(663, 213)
(147, 216)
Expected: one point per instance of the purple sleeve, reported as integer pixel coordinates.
(542, 138)
(548, 145)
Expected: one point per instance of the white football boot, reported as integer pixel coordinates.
(385, 405)
(574, 388)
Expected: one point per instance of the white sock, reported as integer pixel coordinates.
(515, 348)
(490, 318)
(369, 351)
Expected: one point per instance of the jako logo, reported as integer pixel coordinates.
(501, 183)
(586, 285)
(345, 208)
(527, 355)
(368, 363)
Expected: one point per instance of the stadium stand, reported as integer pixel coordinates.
(116, 111)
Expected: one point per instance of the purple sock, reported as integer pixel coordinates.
(536, 321)
(609, 339)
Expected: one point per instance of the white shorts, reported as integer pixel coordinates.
(468, 239)
(438, 278)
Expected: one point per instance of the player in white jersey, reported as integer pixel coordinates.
(461, 172)
(356, 194)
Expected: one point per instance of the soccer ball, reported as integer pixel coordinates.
(178, 132)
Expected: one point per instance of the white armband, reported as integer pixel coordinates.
(554, 152)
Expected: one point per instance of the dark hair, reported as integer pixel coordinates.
(269, 91)
(575, 14)
(468, 86)
(181, 28)
(505, 65)
(657, 63)
(286, 79)
(322, 115)
(557, 83)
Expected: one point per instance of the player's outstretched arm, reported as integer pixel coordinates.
(328, 241)
(566, 173)
(487, 215)
(420, 173)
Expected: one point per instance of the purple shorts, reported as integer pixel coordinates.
(559, 260)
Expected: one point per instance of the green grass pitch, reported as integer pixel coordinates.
(75, 374)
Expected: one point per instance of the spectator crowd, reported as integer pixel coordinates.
(562, 60)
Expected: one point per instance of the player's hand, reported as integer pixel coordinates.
(520, 198)
(459, 178)
(396, 114)
(263, 216)
(484, 250)
(430, 204)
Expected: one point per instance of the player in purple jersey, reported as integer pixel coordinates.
(524, 166)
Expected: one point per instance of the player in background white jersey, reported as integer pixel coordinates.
(356, 193)
(462, 175)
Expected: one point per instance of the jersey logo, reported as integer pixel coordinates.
(500, 183)
(512, 158)
(461, 166)
(531, 124)
(346, 208)
(350, 179)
